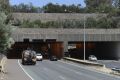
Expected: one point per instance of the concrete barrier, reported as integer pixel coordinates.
(97, 66)
(86, 62)
(3, 67)
(3, 63)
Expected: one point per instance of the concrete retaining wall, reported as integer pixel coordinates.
(53, 16)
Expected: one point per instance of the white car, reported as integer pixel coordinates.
(39, 57)
(92, 58)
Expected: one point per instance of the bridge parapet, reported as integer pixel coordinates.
(66, 34)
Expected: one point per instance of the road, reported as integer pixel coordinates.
(14, 71)
(59, 70)
(110, 63)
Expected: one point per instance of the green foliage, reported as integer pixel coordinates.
(101, 6)
(115, 12)
(28, 8)
(72, 24)
(109, 7)
(16, 22)
(52, 24)
(27, 24)
(55, 8)
(91, 22)
(5, 6)
(49, 8)
(5, 31)
(100, 22)
(116, 3)
(92, 6)
(117, 22)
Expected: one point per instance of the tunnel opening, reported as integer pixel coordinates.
(102, 50)
(47, 48)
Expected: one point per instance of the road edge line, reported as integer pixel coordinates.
(24, 70)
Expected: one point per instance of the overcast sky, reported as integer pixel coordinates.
(41, 3)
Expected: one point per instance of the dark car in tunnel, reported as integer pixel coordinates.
(53, 58)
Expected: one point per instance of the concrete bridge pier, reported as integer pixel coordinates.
(65, 46)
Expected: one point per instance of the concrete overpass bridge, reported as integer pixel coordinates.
(104, 43)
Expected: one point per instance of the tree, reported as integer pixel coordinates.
(28, 8)
(5, 27)
(5, 31)
(98, 5)
(103, 8)
(115, 11)
(116, 3)
(56, 8)
(5, 6)
(52, 8)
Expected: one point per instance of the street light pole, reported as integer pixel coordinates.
(84, 35)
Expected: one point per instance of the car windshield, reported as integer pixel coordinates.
(92, 56)
(38, 54)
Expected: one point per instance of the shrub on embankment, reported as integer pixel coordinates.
(5, 31)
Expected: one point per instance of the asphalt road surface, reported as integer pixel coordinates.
(13, 71)
(59, 70)
(110, 63)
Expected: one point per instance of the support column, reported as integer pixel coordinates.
(65, 46)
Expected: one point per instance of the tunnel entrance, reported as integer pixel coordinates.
(46, 48)
(102, 50)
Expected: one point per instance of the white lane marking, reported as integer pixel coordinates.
(24, 70)
(90, 69)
